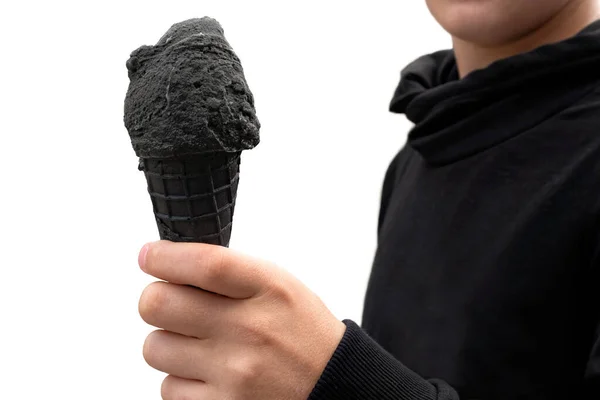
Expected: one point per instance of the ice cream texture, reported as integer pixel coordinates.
(188, 95)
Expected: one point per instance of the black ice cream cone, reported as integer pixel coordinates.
(190, 113)
(194, 197)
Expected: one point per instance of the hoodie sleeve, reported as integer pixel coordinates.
(360, 369)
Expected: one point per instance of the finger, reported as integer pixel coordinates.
(174, 388)
(209, 267)
(184, 309)
(178, 355)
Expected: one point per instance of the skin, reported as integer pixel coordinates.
(484, 31)
(232, 326)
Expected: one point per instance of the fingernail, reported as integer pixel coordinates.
(142, 256)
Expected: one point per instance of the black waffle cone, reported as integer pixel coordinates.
(194, 197)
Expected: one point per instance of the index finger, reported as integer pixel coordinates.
(213, 268)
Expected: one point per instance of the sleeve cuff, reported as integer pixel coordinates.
(361, 369)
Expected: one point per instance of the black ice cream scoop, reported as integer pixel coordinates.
(190, 114)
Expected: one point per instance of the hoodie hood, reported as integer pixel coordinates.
(456, 118)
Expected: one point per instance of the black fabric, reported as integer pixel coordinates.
(457, 118)
(486, 280)
(385, 378)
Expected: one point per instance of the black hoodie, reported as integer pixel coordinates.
(486, 280)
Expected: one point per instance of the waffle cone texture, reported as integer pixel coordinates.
(193, 198)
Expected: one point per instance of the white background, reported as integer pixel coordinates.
(75, 210)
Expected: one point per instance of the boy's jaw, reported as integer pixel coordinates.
(484, 31)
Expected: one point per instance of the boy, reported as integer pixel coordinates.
(485, 281)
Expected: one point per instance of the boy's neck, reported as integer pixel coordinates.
(567, 23)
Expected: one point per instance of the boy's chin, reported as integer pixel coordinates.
(492, 23)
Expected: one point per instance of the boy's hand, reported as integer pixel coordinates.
(245, 330)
